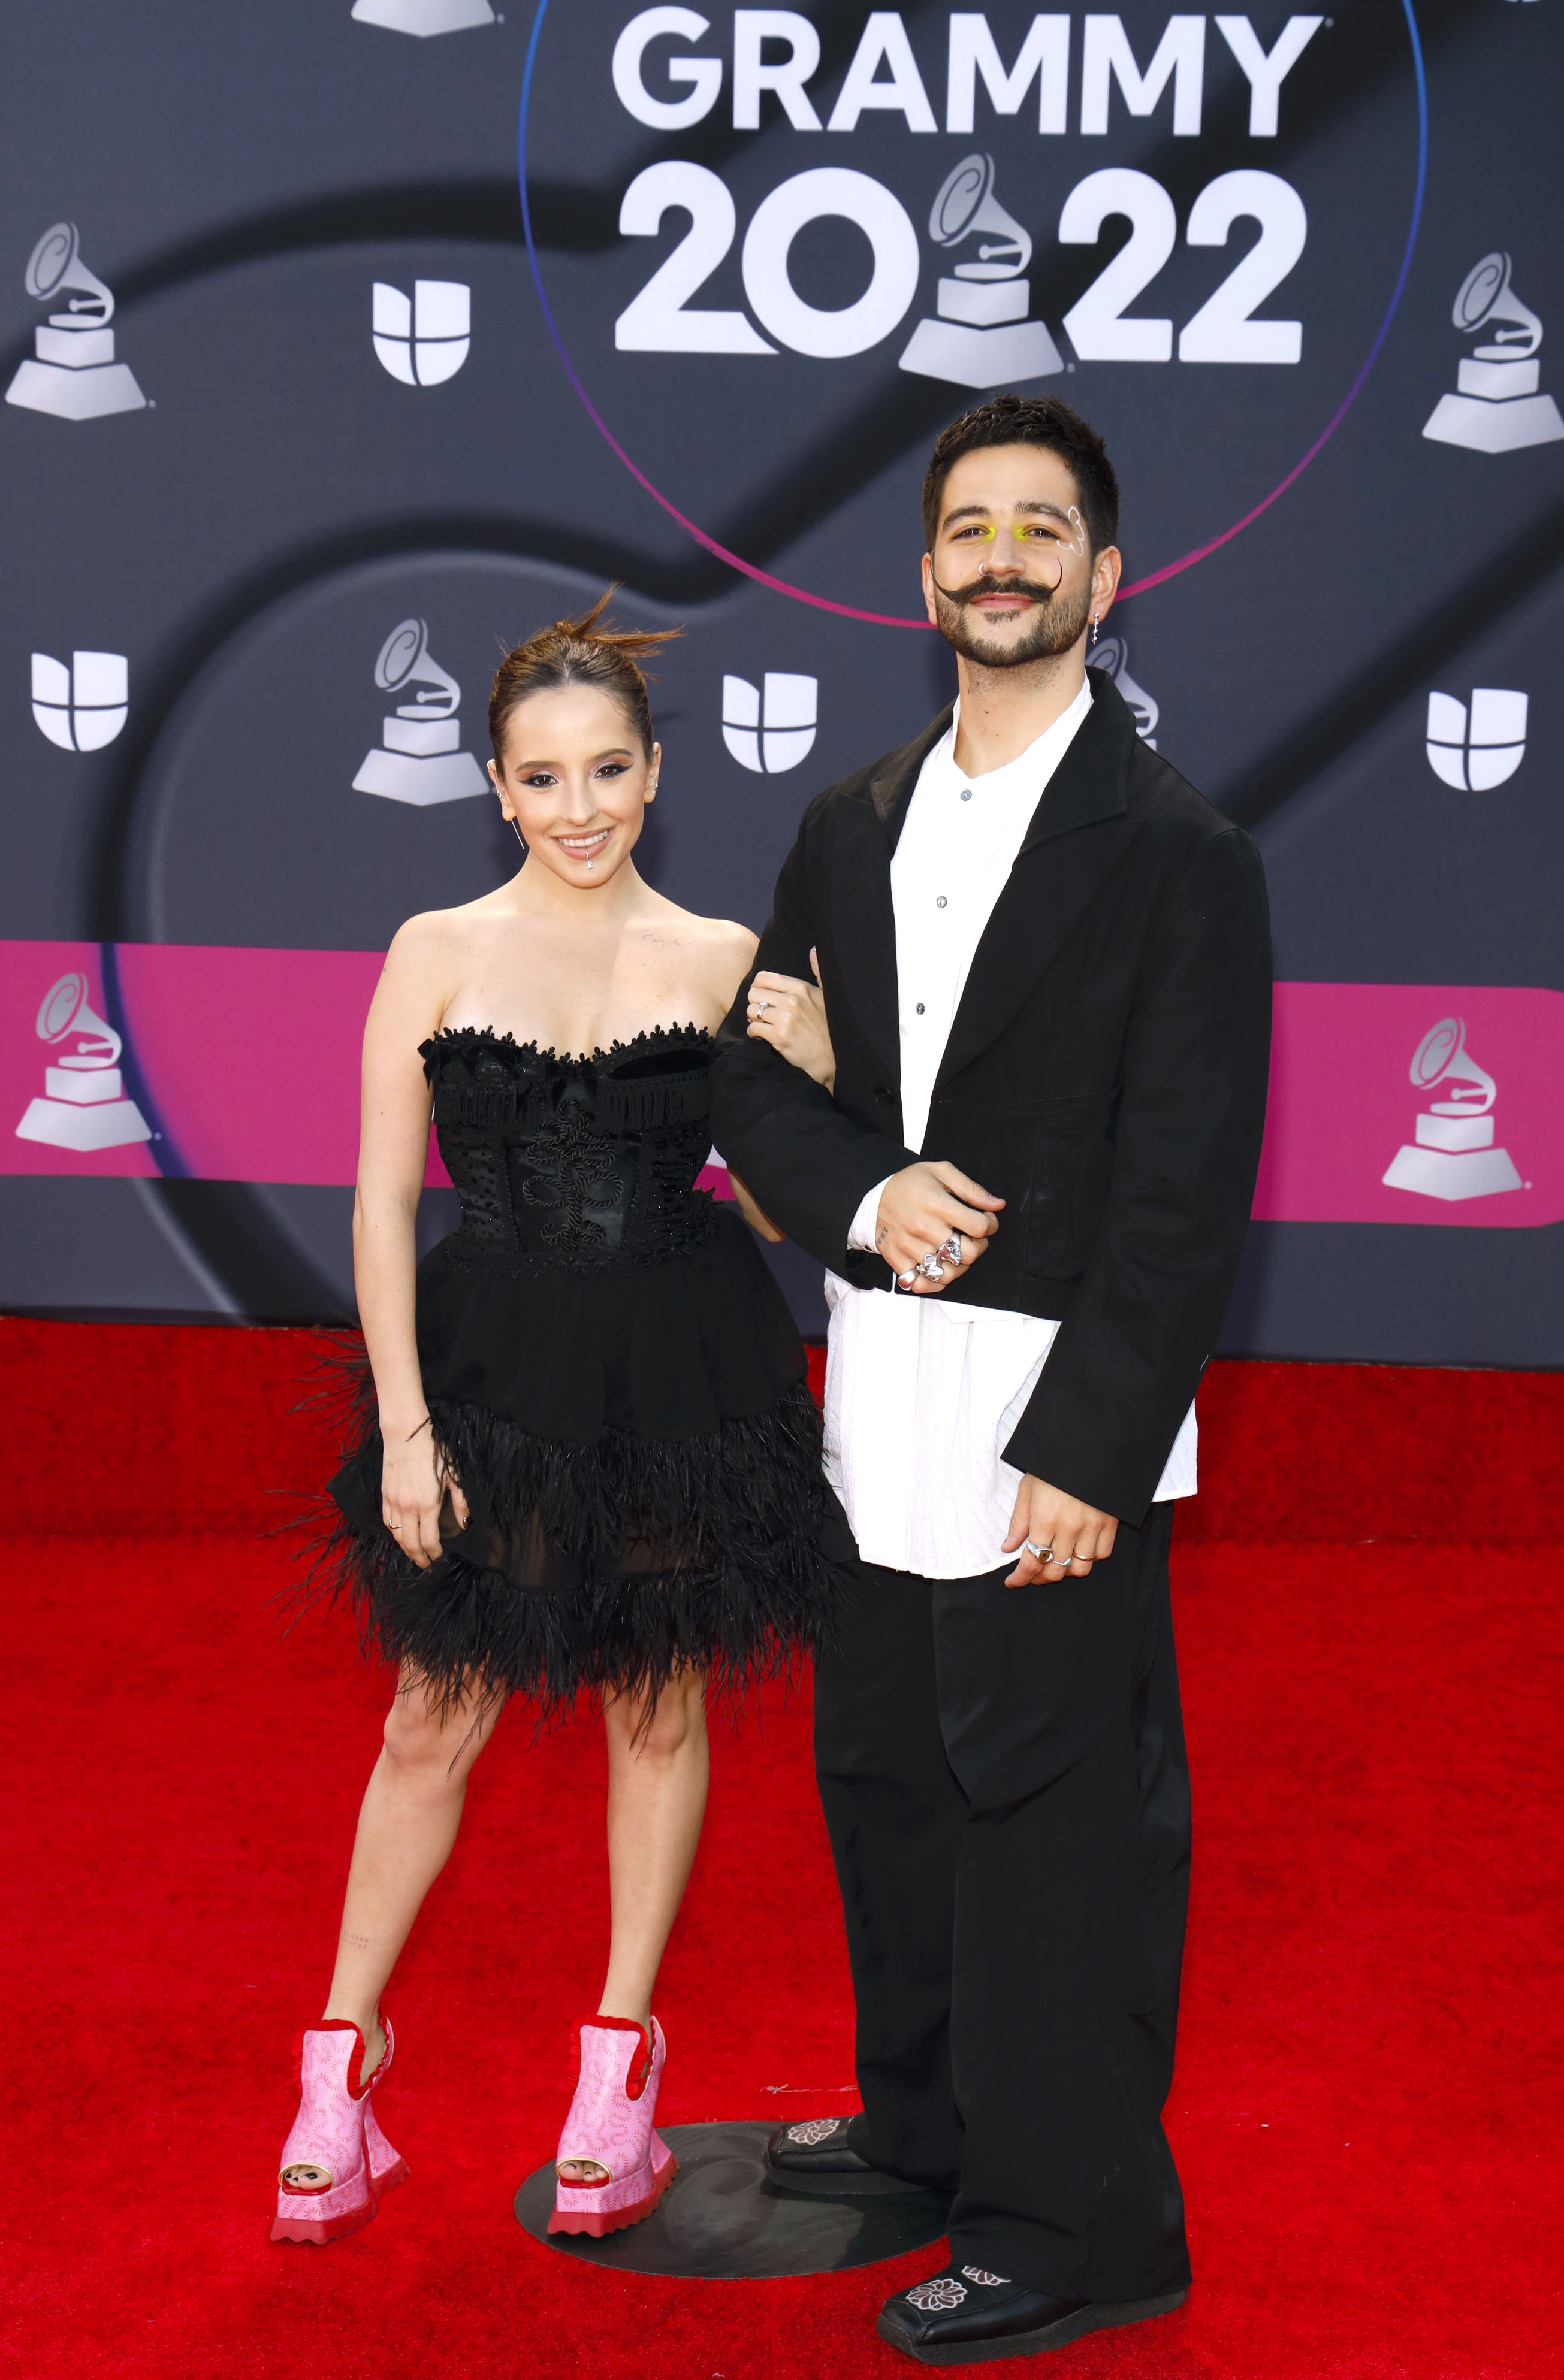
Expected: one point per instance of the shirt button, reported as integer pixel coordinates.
(919, 1008)
(966, 794)
(939, 902)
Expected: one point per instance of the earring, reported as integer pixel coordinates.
(1093, 628)
(516, 832)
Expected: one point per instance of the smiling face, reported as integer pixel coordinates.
(576, 781)
(1012, 578)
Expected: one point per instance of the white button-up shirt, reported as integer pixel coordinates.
(923, 1395)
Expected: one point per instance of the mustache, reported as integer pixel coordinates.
(985, 585)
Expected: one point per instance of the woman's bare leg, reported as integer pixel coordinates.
(657, 1775)
(406, 1824)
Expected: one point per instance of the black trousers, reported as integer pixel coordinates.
(1007, 1793)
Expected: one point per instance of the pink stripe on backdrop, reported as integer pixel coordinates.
(1342, 1104)
(27, 972)
(251, 1059)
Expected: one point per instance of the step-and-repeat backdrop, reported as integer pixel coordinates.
(345, 343)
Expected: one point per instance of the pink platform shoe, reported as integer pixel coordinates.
(338, 2163)
(611, 2124)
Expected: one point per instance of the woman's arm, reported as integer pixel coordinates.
(756, 1217)
(393, 1151)
(737, 958)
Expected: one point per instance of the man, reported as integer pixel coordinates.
(1046, 967)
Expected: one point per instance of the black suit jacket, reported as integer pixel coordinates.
(1105, 1075)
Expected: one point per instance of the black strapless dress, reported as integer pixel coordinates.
(616, 1380)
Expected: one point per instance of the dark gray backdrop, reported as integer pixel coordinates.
(242, 177)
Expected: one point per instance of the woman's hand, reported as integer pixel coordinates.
(413, 1486)
(790, 1014)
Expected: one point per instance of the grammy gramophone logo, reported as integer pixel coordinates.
(1498, 406)
(83, 1106)
(72, 372)
(419, 758)
(1452, 1154)
(980, 334)
(1112, 654)
(423, 17)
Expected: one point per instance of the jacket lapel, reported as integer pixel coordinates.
(863, 917)
(1078, 832)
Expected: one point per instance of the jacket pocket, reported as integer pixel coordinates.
(1068, 1203)
(997, 1146)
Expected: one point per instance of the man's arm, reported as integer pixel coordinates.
(1145, 1315)
(807, 1161)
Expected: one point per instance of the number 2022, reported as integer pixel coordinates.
(660, 319)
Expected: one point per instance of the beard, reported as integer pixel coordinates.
(1056, 621)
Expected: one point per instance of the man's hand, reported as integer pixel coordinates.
(1071, 1536)
(924, 1207)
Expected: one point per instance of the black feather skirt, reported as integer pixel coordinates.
(640, 1460)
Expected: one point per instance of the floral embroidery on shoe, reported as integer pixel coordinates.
(810, 2135)
(939, 2295)
(986, 2281)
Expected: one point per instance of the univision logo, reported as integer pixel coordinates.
(84, 707)
(1475, 751)
(423, 339)
(770, 729)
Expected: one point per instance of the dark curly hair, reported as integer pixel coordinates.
(578, 652)
(1046, 421)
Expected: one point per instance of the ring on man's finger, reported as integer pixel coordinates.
(1039, 1553)
(906, 1279)
(949, 1252)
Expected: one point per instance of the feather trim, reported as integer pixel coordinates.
(609, 1567)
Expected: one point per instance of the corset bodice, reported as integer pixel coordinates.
(580, 1162)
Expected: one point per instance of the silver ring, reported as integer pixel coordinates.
(762, 1007)
(1039, 1553)
(951, 1250)
(906, 1279)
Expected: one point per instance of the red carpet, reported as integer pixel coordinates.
(1367, 2109)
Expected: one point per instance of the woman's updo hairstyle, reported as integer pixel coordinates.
(578, 652)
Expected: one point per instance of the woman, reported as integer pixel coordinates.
(587, 1457)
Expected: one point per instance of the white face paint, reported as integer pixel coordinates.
(1077, 543)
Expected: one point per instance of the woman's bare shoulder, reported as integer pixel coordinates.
(715, 937)
(427, 955)
(434, 935)
(732, 940)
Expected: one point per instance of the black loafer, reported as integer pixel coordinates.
(818, 2159)
(967, 2315)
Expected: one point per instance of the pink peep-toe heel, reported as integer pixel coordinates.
(337, 2164)
(612, 2124)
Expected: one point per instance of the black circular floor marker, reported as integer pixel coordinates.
(722, 2218)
